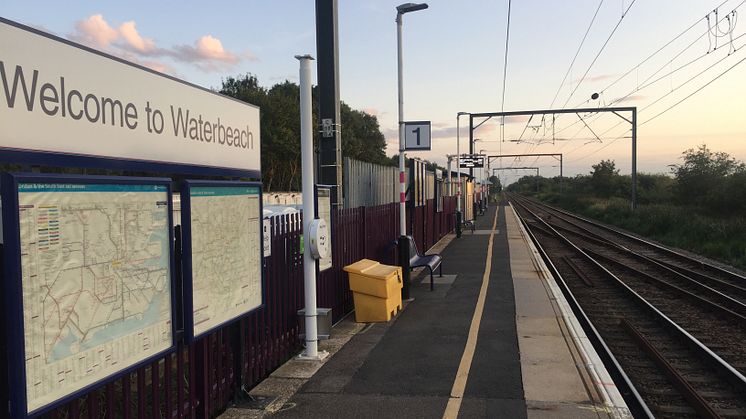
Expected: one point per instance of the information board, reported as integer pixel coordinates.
(222, 227)
(472, 161)
(95, 280)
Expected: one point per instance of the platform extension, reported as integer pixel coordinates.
(495, 339)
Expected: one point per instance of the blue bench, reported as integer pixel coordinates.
(417, 260)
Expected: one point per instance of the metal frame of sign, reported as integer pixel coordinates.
(423, 148)
(188, 296)
(13, 291)
(330, 225)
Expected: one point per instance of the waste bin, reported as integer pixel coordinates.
(376, 290)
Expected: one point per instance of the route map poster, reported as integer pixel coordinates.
(96, 282)
(226, 248)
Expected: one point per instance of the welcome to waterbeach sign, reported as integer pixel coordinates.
(60, 97)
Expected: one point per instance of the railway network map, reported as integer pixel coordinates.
(95, 263)
(226, 253)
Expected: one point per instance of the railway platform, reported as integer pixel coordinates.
(495, 339)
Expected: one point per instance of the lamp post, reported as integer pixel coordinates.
(458, 174)
(403, 241)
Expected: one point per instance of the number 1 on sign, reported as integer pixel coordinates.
(417, 132)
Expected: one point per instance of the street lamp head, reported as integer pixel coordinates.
(410, 7)
(462, 113)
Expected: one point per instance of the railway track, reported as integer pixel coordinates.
(675, 328)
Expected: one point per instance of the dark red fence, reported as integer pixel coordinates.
(199, 380)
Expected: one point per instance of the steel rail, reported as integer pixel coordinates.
(698, 403)
(705, 283)
(657, 246)
(629, 392)
(728, 371)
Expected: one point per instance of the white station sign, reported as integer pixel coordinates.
(52, 89)
(417, 135)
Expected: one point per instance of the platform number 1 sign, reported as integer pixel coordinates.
(417, 135)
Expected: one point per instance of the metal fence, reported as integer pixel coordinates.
(199, 380)
(367, 184)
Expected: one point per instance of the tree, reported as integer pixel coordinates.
(496, 187)
(280, 123)
(703, 171)
(603, 178)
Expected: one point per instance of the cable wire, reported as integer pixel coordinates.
(567, 73)
(505, 76)
(598, 54)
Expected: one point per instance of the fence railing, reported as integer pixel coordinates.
(199, 380)
(368, 184)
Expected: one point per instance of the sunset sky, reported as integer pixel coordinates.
(454, 60)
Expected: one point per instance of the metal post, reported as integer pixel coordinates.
(330, 140)
(450, 186)
(403, 240)
(458, 174)
(634, 158)
(471, 142)
(309, 263)
(561, 177)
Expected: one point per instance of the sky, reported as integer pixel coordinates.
(643, 53)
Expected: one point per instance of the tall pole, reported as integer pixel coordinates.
(458, 174)
(403, 239)
(450, 186)
(330, 141)
(561, 176)
(306, 152)
(402, 184)
(634, 158)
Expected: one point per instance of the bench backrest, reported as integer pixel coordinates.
(412, 247)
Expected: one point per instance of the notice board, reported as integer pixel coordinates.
(222, 248)
(88, 281)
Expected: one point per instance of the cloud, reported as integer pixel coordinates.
(133, 40)
(372, 111)
(591, 79)
(94, 32)
(159, 67)
(631, 98)
(206, 53)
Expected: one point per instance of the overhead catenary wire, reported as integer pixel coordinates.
(663, 111)
(598, 54)
(647, 82)
(505, 75)
(572, 63)
(649, 57)
(577, 52)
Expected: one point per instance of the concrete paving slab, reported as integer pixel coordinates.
(552, 410)
(537, 326)
(545, 349)
(552, 382)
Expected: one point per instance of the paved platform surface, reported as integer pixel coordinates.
(490, 341)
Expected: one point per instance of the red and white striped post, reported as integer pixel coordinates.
(403, 240)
